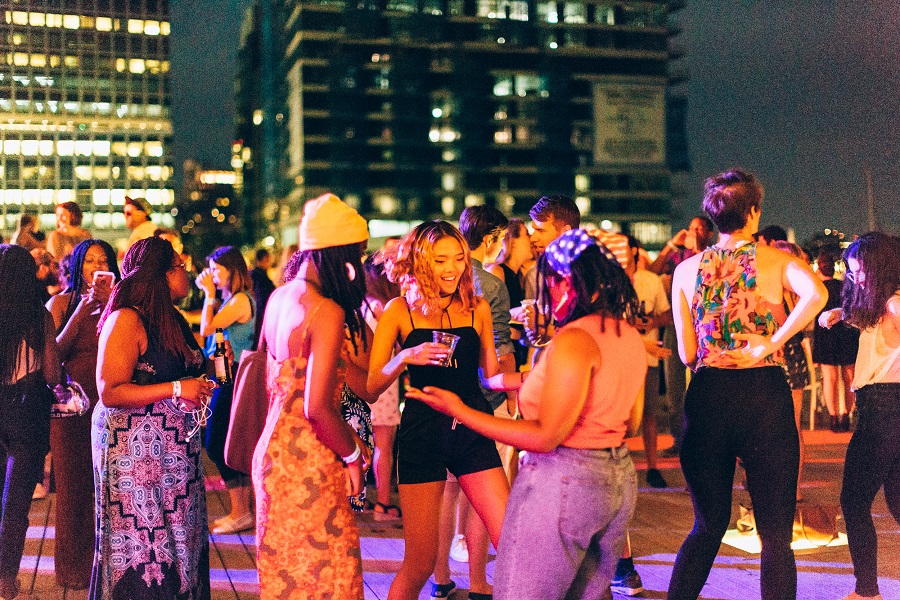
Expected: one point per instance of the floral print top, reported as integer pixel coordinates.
(726, 302)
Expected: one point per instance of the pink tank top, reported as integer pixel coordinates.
(613, 388)
(726, 302)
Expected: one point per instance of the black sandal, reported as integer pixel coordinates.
(386, 512)
(442, 590)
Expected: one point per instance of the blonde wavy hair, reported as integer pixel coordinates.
(410, 264)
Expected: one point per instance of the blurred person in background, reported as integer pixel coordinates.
(262, 287)
(192, 304)
(68, 230)
(47, 273)
(26, 232)
(76, 314)
(137, 213)
(226, 273)
(29, 362)
(835, 349)
(386, 411)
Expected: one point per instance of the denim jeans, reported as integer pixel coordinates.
(565, 524)
(873, 461)
(24, 441)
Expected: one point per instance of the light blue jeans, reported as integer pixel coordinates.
(565, 524)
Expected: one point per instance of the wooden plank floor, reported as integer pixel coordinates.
(662, 520)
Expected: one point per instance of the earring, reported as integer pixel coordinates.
(351, 272)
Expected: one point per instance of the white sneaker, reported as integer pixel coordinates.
(40, 492)
(458, 549)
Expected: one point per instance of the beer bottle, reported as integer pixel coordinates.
(223, 365)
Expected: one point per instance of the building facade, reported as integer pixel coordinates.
(84, 110)
(414, 109)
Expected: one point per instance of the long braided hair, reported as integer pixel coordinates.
(21, 310)
(145, 288)
(335, 283)
(76, 273)
(599, 283)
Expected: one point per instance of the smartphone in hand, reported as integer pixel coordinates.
(104, 279)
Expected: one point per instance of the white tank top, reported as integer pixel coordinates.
(876, 361)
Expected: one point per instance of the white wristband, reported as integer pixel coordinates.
(209, 302)
(352, 456)
(176, 390)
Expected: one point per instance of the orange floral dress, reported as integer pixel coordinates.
(307, 540)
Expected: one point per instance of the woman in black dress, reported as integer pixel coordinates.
(834, 350)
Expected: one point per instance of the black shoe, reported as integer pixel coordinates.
(655, 479)
(845, 423)
(835, 424)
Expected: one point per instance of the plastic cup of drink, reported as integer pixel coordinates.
(446, 339)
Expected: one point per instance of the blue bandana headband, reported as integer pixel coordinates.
(563, 251)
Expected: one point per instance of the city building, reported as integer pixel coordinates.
(84, 110)
(414, 109)
(208, 209)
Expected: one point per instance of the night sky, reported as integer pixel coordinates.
(803, 94)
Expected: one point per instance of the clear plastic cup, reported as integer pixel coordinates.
(446, 339)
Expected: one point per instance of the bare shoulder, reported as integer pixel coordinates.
(58, 304)
(574, 345)
(395, 309)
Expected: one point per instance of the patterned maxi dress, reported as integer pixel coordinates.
(152, 534)
(307, 541)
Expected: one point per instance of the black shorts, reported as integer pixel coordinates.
(429, 445)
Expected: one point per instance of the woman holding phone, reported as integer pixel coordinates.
(76, 313)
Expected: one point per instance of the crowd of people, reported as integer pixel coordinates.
(522, 356)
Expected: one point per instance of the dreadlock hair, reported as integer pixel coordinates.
(335, 283)
(231, 259)
(865, 305)
(409, 264)
(145, 288)
(75, 277)
(21, 310)
(600, 286)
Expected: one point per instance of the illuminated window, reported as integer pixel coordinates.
(38, 60)
(153, 66)
(135, 149)
(100, 197)
(257, 117)
(46, 147)
(135, 26)
(503, 136)
(82, 148)
(503, 86)
(136, 65)
(120, 65)
(575, 13)
(101, 148)
(36, 19)
(18, 17)
(71, 21)
(135, 173)
(29, 147)
(12, 147)
(119, 148)
(104, 24)
(20, 59)
(151, 28)
(154, 149)
(54, 20)
(72, 61)
(164, 28)
(84, 173)
(65, 147)
(165, 66)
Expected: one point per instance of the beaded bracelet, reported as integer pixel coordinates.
(176, 391)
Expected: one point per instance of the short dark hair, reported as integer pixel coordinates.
(261, 254)
(774, 233)
(475, 222)
(558, 208)
(74, 210)
(728, 198)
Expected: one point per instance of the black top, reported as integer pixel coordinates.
(461, 377)
(513, 286)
